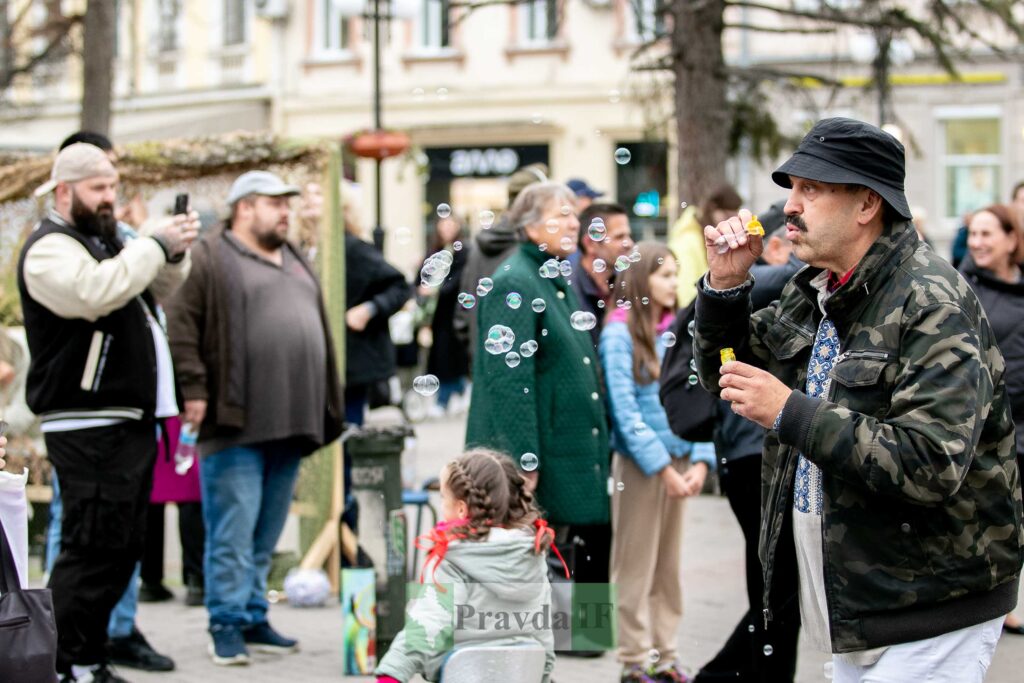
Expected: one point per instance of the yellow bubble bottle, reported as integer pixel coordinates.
(727, 355)
(754, 227)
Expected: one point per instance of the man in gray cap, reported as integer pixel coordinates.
(100, 376)
(890, 458)
(255, 361)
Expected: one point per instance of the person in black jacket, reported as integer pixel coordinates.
(374, 291)
(995, 250)
(738, 443)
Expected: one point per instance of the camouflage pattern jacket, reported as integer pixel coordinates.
(921, 528)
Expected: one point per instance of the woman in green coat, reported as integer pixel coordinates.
(537, 392)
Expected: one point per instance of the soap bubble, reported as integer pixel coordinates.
(599, 265)
(457, 246)
(512, 359)
(514, 300)
(529, 462)
(600, 303)
(403, 235)
(549, 269)
(567, 244)
(538, 305)
(620, 486)
(623, 156)
(444, 210)
(426, 385)
(486, 219)
(645, 301)
(467, 300)
(486, 284)
(583, 320)
(499, 339)
(435, 269)
(621, 264)
(635, 256)
(564, 267)
(552, 225)
(653, 656)
(768, 650)
(528, 348)
(597, 230)
(669, 339)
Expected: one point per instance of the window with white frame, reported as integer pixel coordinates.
(335, 31)
(432, 26)
(538, 22)
(646, 19)
(972, 163)
(234, 22)
(167, 25)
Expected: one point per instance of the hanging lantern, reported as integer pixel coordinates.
(378, 144)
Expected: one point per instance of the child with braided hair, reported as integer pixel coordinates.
(489, 550)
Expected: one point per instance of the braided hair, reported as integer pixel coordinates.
(493, 490)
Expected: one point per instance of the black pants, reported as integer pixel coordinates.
(191, 535)
(743, 657)
(105, 475)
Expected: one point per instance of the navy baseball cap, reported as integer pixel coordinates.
(580, 188)
(846, 151)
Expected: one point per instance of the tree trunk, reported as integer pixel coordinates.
(702, 110)
(98, 65)
(6, 46)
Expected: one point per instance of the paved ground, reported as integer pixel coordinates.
(714, 595)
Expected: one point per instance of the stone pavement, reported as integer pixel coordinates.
(712, 579)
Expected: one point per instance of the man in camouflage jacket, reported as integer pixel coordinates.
(879, 378)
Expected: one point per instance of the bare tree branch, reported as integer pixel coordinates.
(781, 29)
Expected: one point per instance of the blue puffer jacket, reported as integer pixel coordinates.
(640, 428)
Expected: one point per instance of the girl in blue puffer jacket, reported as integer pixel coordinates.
(651, 467)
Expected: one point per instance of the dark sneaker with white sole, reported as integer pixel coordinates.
(135, 652)
(228, 646)
(263, 638)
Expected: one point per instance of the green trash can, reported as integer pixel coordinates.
(375, 454)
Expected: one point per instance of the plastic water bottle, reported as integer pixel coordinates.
(185, 454)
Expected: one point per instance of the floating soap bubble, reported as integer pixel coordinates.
(661, 260)
(597, 230)
(599, 265)
(528, 348)
(442, 93)
(653, 656)
(542, 247)
(506, 267)
(512, 359)
(567, 244)
(457, 246)
(403, 235)
(444, 210)
(529, 462)
(693, 380)
(564, 267)
(514, 300)
(538, 305)
(553, 225)
(537, 118)
(544, 332)
(467, 300)
(499, 339)
(583, 320)
(614, 96)
(600, 303)
(750, 627)
(639, 428)
(549, 269)
(691, 327)
(635, 256)
(426, 385)
(620, 487)
(486, 284)
(768, 650)
(435, 269)
(645, 301)
(623, 156)
(566, 210)
(621, 264)
(486, 219)
(669, 339)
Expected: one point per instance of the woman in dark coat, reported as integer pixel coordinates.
(447, 359)
(995, 250)
(537, 396)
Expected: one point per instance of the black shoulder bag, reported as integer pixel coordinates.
(691, 410)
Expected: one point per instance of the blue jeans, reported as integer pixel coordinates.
(122, 619)
(449, 389)
(247, 491)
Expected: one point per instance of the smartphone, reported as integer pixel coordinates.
(181, 204)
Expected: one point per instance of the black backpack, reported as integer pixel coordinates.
(691, 410)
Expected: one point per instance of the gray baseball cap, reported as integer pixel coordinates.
(75, 163)
(262, 183)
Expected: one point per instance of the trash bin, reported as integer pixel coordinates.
(375, 454)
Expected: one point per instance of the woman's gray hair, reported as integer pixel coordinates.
(529, 206)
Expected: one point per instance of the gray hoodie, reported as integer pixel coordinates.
(499, 593)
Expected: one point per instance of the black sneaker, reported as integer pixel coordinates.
(262, 638)
(154, 593)
(135, 652)
(101, 673)
(195, 596)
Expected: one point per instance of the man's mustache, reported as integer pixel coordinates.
(797, 222)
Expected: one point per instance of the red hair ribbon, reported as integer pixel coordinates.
(438, 538)
(544, 530)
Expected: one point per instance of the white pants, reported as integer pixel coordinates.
(14, 516)
(959, 657)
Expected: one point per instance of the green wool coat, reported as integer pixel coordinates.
(551, 403)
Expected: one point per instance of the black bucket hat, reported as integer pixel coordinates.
(847, 151)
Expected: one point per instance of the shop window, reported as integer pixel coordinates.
(646, 19)
(972, 164)
(642, 183)
(167, 25)
(234, 22)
